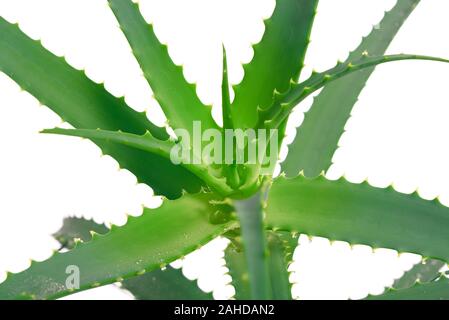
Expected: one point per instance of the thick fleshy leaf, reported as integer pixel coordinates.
(425, 271)
(275, 116)
(317, 137)
(280, 249)
(168, 284)
(359, 214)
(435, 290)
(225, 95)
(85, 104)
(281, 246)
(238, 270)
(278, 59)
(177, 98)
(154, 285)
(75, 229)
(144, 244)
(144, 142)
(150, 145)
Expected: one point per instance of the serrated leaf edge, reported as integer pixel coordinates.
(94, 237)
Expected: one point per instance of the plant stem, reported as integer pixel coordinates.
(250, 214)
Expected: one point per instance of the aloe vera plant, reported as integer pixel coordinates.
(211, 192)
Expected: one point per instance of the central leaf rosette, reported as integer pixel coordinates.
(240, 156)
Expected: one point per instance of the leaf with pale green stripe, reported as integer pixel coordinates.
(317, 137)
(86, 104)
(359, 214)
(278, 59)
(158, 237)
(435, 290)
(177, 98)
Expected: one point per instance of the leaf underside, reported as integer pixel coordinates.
(317, 137)
(86, 104)
(144, 244)
(359, 214)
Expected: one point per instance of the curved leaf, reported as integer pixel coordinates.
(144, 142)
(144, 244)
(150, 145)
(278, 59)
(177, 98)
(317, 138)
(85, 104)
(359, 214)
(275, 116)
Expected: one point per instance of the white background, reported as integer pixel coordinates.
(398, 132)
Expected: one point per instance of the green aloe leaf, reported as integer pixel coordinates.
(75, 229)
(230, 171)
(150, 145)
(359, 214)
(225, 95)
(275, 116)
(177, 98)
(238, 270)
(425, 271)
(168, 284)
(435, 290)
(85, 104)
(281, 246)
(154, 285)
(144, 244)
(317, 138)
(278, 59)
(144, 142)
